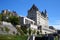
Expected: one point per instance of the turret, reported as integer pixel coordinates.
(45, 13)
(33, 8)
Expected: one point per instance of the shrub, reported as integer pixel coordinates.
(7, 29)
(2, 29)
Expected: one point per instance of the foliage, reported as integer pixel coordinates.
(14, 20)
(37, 32)
(1, 28)
(13, 32)
(24, 29)
(0, 17)
(56, 38)
(7, 29)
(30, 31)
(34, 31)
(19, 30)
(13, 37)
(40, 31)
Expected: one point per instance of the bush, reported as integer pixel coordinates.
(30, 31)
(0, 17)
(19, 30)
(14, 20)
(7, 29)
(2, 29)
(24, 29)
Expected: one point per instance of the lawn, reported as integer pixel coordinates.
(13, 37)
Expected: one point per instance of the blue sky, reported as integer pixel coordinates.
(22, 6)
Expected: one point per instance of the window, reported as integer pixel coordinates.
(39, 28)
(31, 22)
(26, 21)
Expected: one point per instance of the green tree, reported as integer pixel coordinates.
(2, 29)
(24, 29)
(13, 32)
(37, 32)
(19, 30)
(7, 29)
(0, 17)
(14, 20)
(34, 31)
(30, 31)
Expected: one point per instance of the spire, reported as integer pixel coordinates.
(45, 12)
(42, 12)
(34, 7)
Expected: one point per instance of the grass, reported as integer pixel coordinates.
(13, 37)
(56, 38)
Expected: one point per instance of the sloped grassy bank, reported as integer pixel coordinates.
(13, 37)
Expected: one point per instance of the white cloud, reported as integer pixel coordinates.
(56, 24)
